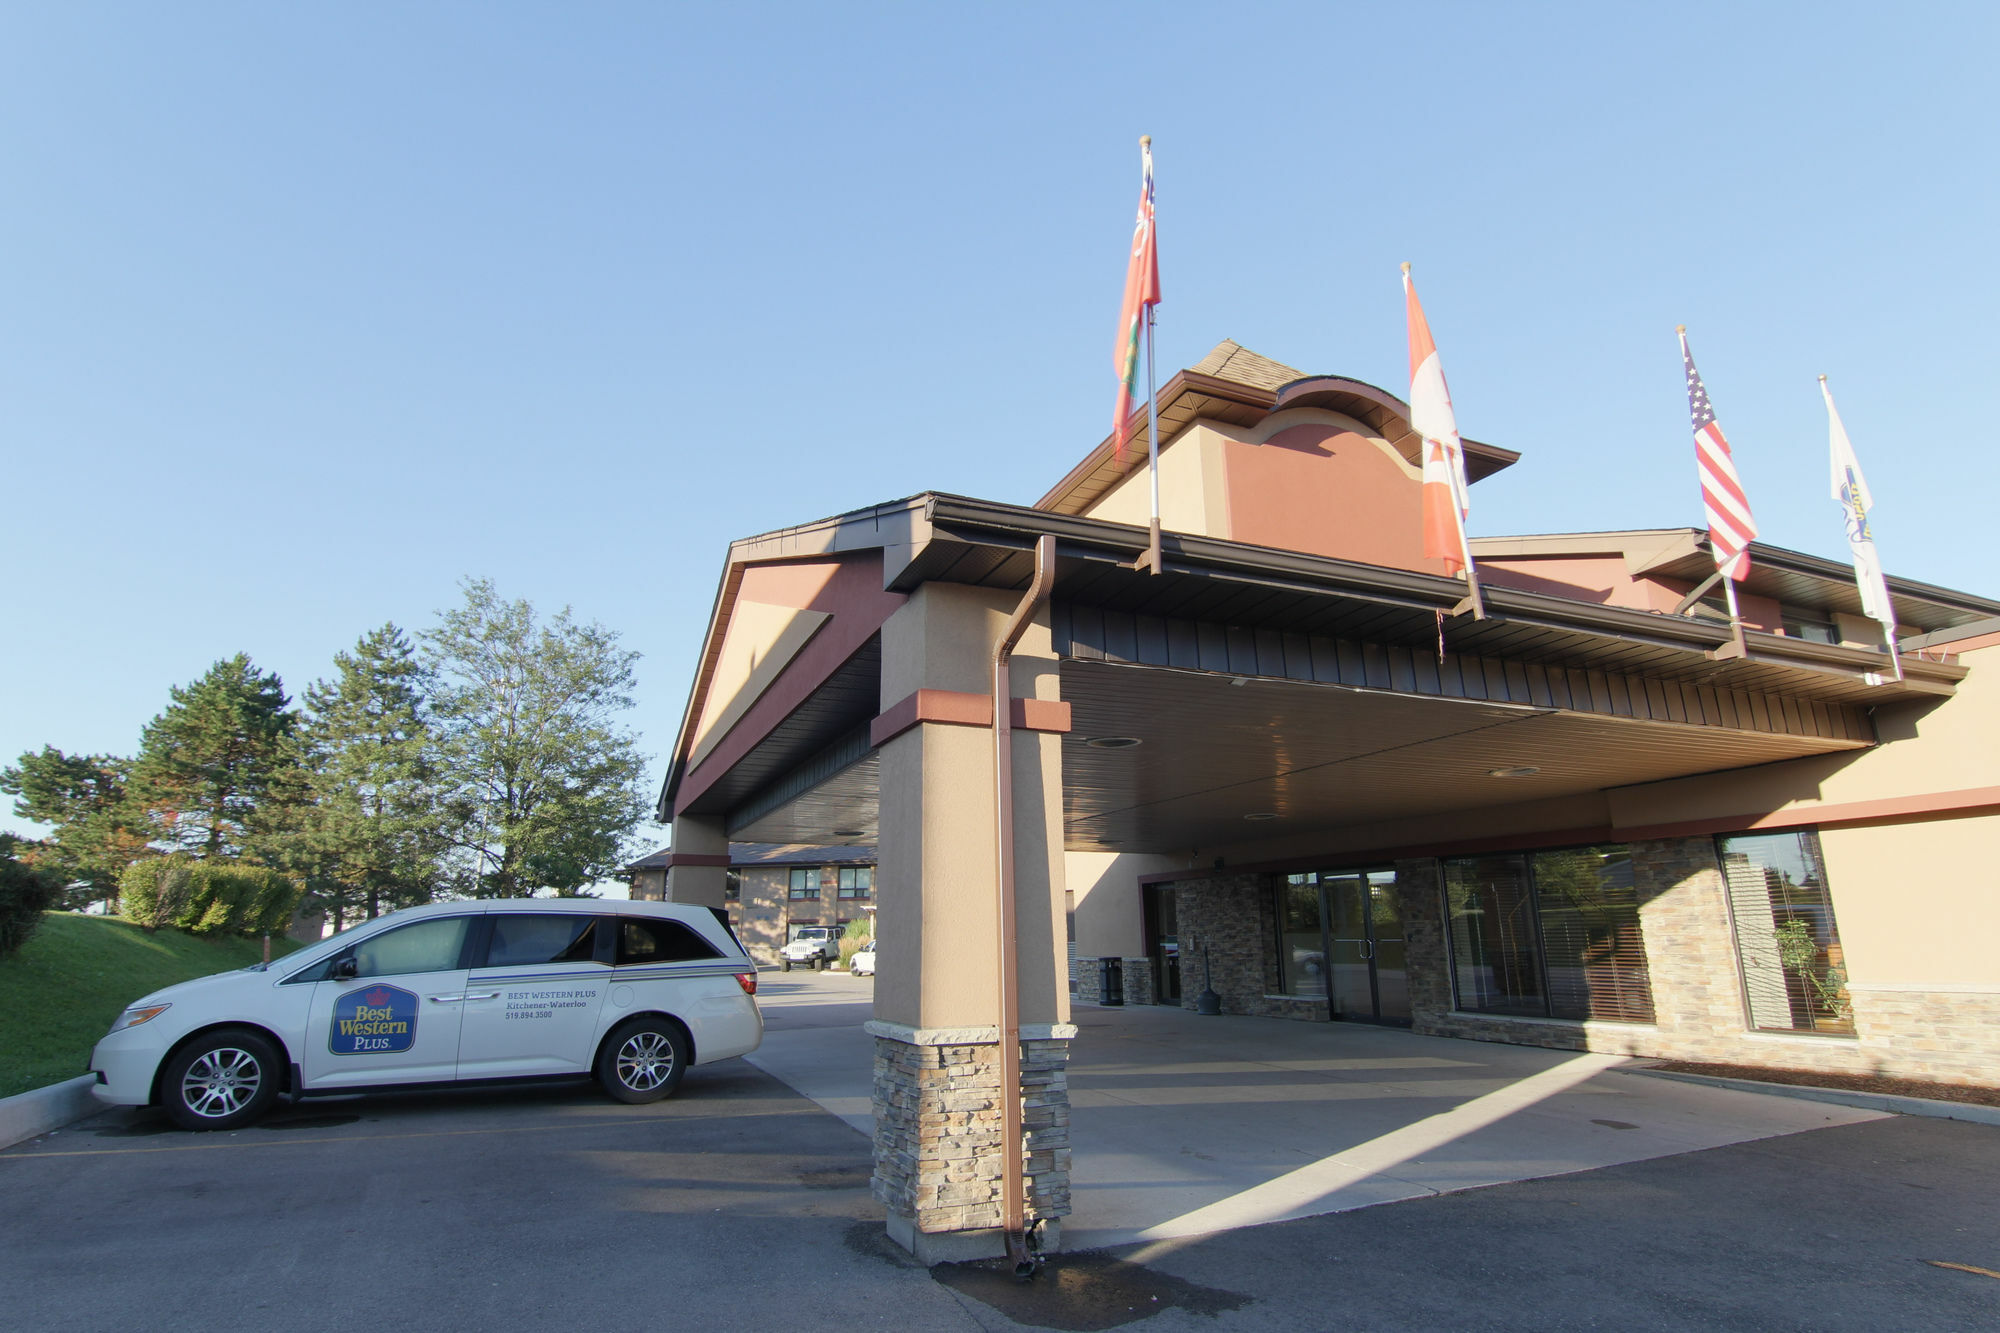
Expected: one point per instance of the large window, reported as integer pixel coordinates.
(857, 881)
(1301, 938)
(804, 885)
(1548, 935)
(1794, 975)
(525, 940)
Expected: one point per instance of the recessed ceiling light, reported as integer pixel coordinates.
(1113, 742)
(848, 832)
(1263, 814)
(1239, 680)
(1519, 771)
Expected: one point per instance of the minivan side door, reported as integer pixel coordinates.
(396, 1019)
(532, 1002)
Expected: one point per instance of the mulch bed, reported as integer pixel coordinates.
(1812, 1078)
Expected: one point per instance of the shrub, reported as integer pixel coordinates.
(208, 897)
(26, 890)
(858, 933)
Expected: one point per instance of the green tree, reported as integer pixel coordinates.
(95, 832)
(26, 890)
(364, 817)
(206, 764)
(545, 779)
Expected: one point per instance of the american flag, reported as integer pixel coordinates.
(1731, 528)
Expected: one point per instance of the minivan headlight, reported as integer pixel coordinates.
(137, 1014)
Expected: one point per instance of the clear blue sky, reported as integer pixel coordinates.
(308, 311)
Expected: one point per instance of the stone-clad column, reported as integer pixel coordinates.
(938, 1153)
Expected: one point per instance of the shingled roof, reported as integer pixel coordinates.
(1232, 361)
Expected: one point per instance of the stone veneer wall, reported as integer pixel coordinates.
(1138, 977)
(1228, 927)
(1947, 1036)
(938, 1136)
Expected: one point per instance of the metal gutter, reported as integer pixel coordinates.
(1013, 1186)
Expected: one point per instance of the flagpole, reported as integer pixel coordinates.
(1735, 616)
(1152, 412)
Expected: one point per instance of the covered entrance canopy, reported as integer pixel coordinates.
(1302, 692)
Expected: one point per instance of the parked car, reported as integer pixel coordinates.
(814, 946)
(862, 964)
(630, 993)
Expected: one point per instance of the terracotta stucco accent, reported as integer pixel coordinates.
(957, 708)
(1603, 579)
(850, 591)
(1325, 490)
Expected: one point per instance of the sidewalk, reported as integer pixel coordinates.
(1183, 1125)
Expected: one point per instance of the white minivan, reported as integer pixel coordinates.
(631, 993)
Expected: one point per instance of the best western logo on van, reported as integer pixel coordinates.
(371, 1021)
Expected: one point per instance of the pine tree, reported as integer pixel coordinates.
(364, 817)
(206, 764)
(95, 832)
(528, 720)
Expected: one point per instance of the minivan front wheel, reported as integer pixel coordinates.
(643, 1061)
(223, 1080)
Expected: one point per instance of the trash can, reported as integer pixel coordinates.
(1110, 981)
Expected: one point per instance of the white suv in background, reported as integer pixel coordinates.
(631, 993)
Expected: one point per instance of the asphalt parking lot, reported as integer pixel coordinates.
(740, 1204)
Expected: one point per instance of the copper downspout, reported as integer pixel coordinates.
(1013, 1186)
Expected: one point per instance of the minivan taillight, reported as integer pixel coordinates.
(748, 981)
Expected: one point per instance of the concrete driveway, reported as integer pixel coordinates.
(1182, 1125)
(741, 1204)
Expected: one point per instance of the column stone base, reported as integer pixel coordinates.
(938, 1152)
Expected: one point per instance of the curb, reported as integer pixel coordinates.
(1971, 1112)
(32, 1114)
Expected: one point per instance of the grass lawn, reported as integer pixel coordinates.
(75, 974)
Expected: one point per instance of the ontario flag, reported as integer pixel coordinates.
(1445, 501)
(1142, 289)
(1730, 526)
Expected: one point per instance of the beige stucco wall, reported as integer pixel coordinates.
(1104, 893)
(1193, 493)
(1918, 903)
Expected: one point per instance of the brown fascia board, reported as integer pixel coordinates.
(1836, 572)
(1329, 391)
(1015, 528)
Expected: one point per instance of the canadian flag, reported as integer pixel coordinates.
(1445, 503)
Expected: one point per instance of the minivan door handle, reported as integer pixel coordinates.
(446, 999)
(489, 995)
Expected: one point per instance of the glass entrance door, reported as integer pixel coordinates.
(1163, 943)
(1368, 978)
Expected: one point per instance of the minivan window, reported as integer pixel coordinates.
(643, 940)
(421, 946)
(524, 940)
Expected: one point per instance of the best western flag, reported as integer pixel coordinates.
(1850, 488)
(1142, 288)
(1730, 526)
(1444, 494)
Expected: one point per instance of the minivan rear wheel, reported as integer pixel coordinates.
(643, 1061)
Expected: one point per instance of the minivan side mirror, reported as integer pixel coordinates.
(344, 968)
